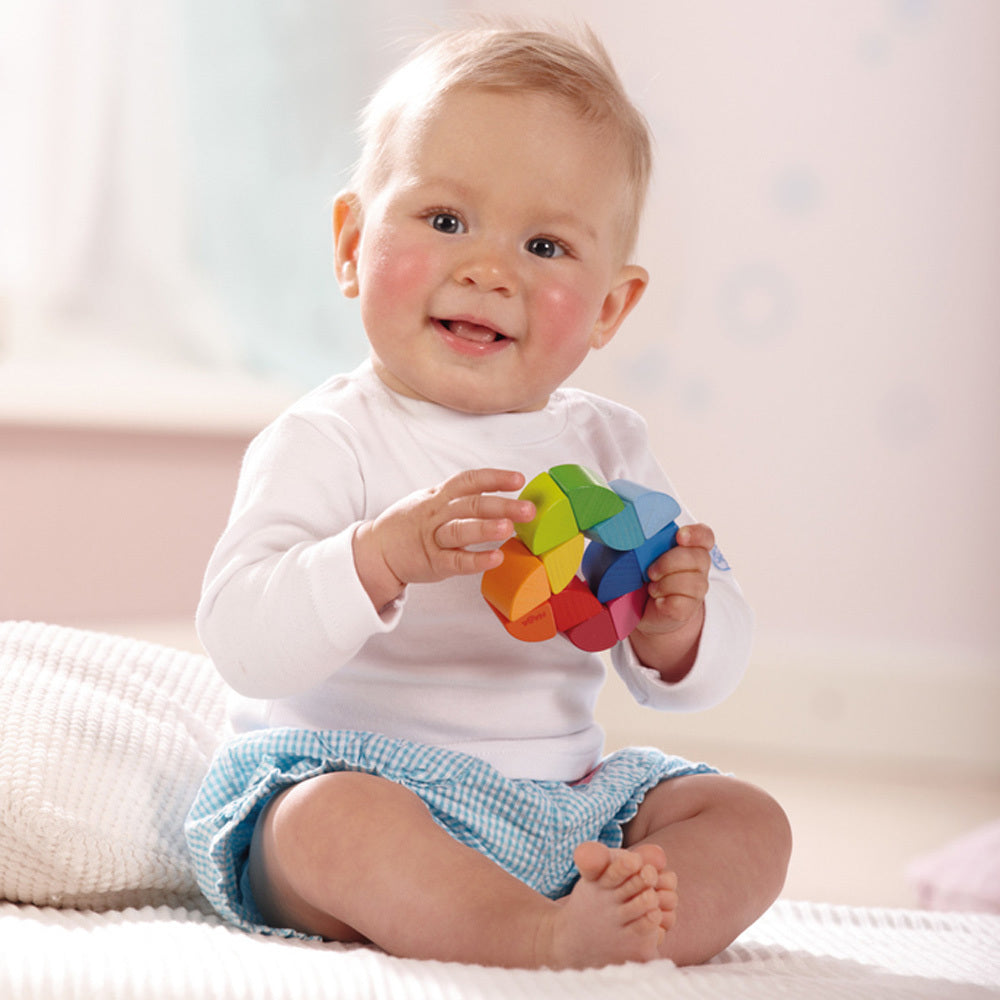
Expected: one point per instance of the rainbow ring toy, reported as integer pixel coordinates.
(610, 532)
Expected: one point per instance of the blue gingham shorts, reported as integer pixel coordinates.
(529, 828)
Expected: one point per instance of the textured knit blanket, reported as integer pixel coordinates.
(797, 950)
(103, 743)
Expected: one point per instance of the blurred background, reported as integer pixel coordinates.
(817, 355)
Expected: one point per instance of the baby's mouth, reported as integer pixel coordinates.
(472, 332)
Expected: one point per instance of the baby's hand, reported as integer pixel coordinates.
(425, 536)
(678, 581)
(667, 636)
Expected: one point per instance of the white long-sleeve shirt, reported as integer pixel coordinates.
(289, 626)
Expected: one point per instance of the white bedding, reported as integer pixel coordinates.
(103, 741)
(797, 950)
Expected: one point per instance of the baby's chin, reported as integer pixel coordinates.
(483, 404)
(478, 406)
(475, 397)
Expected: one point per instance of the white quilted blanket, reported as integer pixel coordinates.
(796, 950)
(103, 741)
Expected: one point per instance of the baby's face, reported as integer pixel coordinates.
(487, 259)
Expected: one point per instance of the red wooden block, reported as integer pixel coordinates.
(595, 634)
(574, 604)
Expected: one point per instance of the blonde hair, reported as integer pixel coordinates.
(498, 54)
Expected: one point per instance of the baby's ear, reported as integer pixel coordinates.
(620, 301)
(346, 239)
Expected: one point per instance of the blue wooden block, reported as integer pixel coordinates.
(647, 553)
(654, 510)
(609, 573)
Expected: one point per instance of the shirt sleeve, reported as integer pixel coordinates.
(282, 606)
(723, 655)
(727, 635)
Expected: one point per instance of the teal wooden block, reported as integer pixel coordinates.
(655, 510)
(621, 532)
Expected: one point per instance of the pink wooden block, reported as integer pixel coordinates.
(626, 611)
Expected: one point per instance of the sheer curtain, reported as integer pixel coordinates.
(166, 172)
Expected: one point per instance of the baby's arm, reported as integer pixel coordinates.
(284, 604)
(425, 537)
(668, 635)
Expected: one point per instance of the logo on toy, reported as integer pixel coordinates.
(611, 532)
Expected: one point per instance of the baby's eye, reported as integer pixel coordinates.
(542, 246)
(447, 222)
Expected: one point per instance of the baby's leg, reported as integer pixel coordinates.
(355, 857)
(729, 843)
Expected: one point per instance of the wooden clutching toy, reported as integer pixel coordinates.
(612, 533)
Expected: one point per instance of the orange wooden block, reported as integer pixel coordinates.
(537, 625)
(519, 584)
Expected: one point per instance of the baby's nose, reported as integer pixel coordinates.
(487, 269)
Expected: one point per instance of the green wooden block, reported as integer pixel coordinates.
(554, 522)
(591, 499)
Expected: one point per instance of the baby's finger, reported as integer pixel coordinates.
(690, 583)
(472, 481)
(462, 562)
(462, 532)
(679, 589)
(680, 560)
(696, 536)
(666, 614)
(489, 506)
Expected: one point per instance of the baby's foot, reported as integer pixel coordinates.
(666, 882)
(619, 910)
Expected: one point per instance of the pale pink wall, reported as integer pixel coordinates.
(105, 525)
(817, 353)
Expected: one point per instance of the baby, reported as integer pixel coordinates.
(404, 772)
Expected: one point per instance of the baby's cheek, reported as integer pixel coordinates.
(401, 270)
(563, 313)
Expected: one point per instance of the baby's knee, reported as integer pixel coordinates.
(768, 813)
(756, 827)
(768, 828)
(339, 806)
(305, 836)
